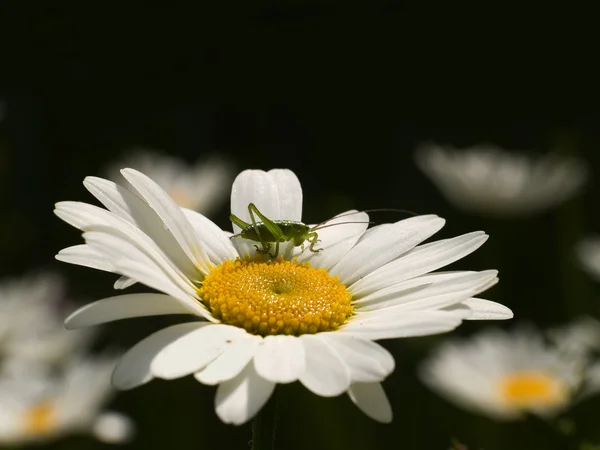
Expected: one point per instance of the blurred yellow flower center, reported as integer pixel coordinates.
(276, 297)
(40, 419)
(533, 389)
(182, 198)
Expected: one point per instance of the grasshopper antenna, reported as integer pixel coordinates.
(404, 211)
(320, 227)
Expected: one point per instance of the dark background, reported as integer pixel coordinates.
(342, 95)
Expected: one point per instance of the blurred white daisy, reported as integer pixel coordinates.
(581, 339)
(41, 406)
(20, 299)
(489, 180)
(201, 186)
(505, 375)
(578, 336)
(592, 379)
(32, 308)
(304, 316)
(588, 252)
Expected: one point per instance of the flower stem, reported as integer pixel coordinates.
(263, 426)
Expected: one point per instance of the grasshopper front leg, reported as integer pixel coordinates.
(239, 222)
(271, 226)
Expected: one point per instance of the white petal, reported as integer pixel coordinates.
(77, 214)
(217, 244)
(123, 283)
(289, 191)
(146, 267)
(171, 215)
(383, 244)
(280, 359)
(366, 360)
(277, 194)
(325, 374)
(486, 310)
(371, 399)
(117, 199)
(435, 295)
(195, 350)
(124, 307)
(92, 218)
(405, 324)
(435, 302)
(134, 367)
(238, 400)
(406, 285)
(84, 255)
(337, 238)
(230, 363)
(245, 247)
(422, 259)
(136, 211)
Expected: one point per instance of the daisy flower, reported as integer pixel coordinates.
(302, 316)
(588, 253)
(32, 309)
(581, 339)
(579, 336)
(592, 381)
(21, 298)
(41, 407)
(201, 186)
(506, 375)
(488, 180)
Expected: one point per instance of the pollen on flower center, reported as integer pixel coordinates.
(276, 297)
(39, 419)
(533, 389)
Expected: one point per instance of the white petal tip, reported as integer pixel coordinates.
(487, 310)
(123, 283)
(371, 400)
(128, 170)
(88, 181)
(233, 421)
(71, 322)
(123, 383)
(384, 419)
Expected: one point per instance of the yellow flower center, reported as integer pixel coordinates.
(533, 390)
(40, 418)
(276, 297)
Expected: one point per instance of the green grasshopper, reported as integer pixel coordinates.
(269, 231)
